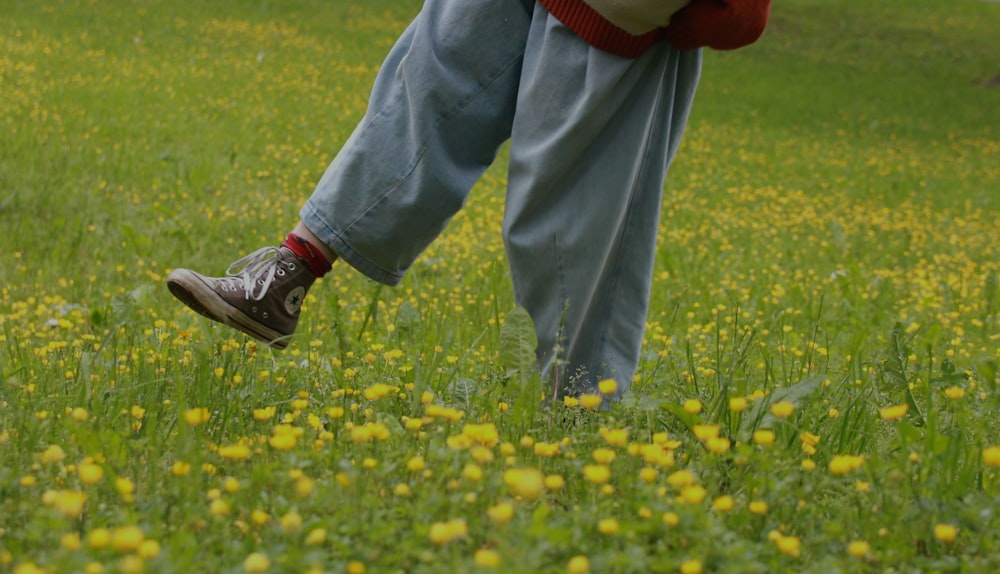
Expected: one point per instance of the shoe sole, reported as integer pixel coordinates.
(189, 288)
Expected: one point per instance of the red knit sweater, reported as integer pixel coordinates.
(718, 24)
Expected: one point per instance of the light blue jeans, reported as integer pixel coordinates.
(591, 133)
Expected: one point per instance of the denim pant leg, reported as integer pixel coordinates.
(592, 138)
(441, 106)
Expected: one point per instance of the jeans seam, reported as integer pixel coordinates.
(620, 246)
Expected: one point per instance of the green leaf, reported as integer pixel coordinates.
(518, 344)
(462, 391)
(407, 317)
(517, 355)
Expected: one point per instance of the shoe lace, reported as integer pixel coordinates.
(255, 272)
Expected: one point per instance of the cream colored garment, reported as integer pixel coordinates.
(637, 16)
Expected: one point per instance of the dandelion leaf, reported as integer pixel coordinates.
(407, 317)
(517, 344)
(517, 356)
(462, 391)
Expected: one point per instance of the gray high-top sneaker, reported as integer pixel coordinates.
(260, 295)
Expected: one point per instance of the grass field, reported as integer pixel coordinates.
(819, 387)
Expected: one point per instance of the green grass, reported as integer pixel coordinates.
(829, 241)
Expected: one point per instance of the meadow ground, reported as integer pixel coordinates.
(819, 386)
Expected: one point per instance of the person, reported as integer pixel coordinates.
(593, 95)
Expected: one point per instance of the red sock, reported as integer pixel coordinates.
(314, 258)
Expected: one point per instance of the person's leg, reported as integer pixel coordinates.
(592, 139)
(441, 107)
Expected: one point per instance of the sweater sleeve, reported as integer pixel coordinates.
(718, 24)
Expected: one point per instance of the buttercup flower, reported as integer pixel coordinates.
(894, 413)
(525, 483)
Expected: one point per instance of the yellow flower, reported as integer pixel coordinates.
(691, 567)
(763, 437)
(597, 473)
(501, 513)
(547, 449)
(578, 565)
(991, 456)
(54, 453)
(692, 406)
(291, 522)
(127, 539)
(235, 452)
(954, 393)
(89, 473)
(231, 484)
(782, 409)
(149, 549)
(355, 567)
(304, 486)
(69, 503)
(615, 437)
(180, 468)
(858, 548)
(132, 564)
(28, 568)
(724, 503)
(648, 474)
(608, 526)
(789, 545)
(219, 507)
(472, 472)
(718, 444)
(125, 487)
(264, 414)
(842, 463)
(738, 404)
(282, 441)
(71, 541)
(570, 402)
(259, 517)
(99, 538)
(591, 401)
(945, 532)
(416, 464)
(485, 558)
(603, 455)
(196, 416)
(693, 494)
(484, 434)
(445, 532)
(671, 518)
(758, 507)
(256, 562)
(705, 432)
(554, 482)
(525, 483)
(681, 478)
(894, 413)
(607, 386)
(316, 537)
